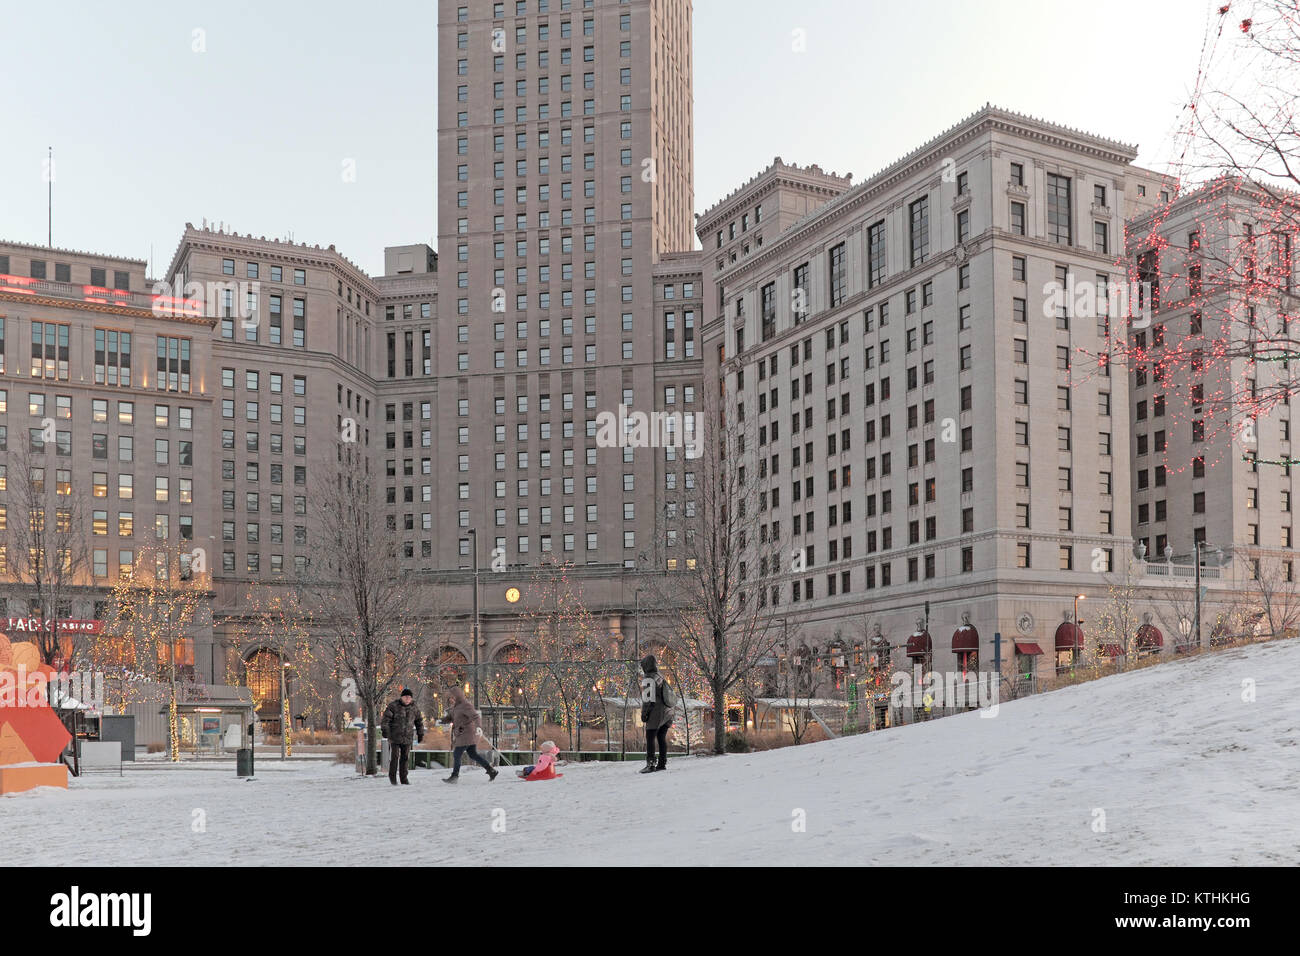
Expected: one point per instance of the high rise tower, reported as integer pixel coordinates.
(564, 173)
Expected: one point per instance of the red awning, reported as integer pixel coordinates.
(1149, 636)
(965, 639)
(919, 644)
(1069, 636)
(1025, 647)
(1112, 650)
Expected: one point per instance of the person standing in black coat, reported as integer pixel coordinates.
(402, 721)
(657, 703)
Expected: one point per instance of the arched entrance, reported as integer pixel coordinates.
(262, 674)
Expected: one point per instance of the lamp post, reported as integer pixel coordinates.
(636, 627)
(636, 656)
(1197, 545)
(785, 649)
(1078, 636)
(473, 532)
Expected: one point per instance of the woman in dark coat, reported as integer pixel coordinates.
(464, 720)
(657, 702)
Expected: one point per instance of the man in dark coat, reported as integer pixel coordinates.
(402, 721)
(657, 702)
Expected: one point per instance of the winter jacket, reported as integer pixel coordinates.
(402, 723)
(655, 712)
(544, 769)
(464, 720)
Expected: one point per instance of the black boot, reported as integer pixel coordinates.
(492, 774)
(648, 768)
(452, 779)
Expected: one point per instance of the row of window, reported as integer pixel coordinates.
(251, 323)
(253, 379)
(252, 270)
(97, 275)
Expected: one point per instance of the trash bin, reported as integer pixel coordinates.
(244, 762)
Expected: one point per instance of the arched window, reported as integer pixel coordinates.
(447, 668)
(511, 654)
(262, 674)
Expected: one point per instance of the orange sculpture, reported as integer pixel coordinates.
(32, 737)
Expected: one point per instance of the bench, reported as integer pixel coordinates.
(100, 755)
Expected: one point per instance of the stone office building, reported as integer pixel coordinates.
(921, 406)
(122, 380)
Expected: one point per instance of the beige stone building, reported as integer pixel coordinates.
(1212, 428)
(108, 398)
(565, 180)
(923, 410)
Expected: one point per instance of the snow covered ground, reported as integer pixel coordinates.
(1182, 768)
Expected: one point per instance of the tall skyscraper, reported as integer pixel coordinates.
(564, 174)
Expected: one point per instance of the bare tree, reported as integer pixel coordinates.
(45, 539)
(796, 687)
(1272, 587)
(276, 620)
(368, 610)
(1119, 618)
(723, 556)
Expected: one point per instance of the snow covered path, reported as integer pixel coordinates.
(1184, 770)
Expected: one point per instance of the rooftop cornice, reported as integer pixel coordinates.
(1222, 188)
(289, 251)
(990, 119)
(104, 308)
(777, 173)
(56, 250)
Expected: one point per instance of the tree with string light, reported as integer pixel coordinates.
(561, 631)
(151, 610)
(1215, 259)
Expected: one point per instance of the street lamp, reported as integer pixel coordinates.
(636, 627)
(473, 532)
(1198, 548)
(1077, 638)
(636, 656)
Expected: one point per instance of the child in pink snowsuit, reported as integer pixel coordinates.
(544, 769)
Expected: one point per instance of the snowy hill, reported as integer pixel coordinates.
(1184, 770)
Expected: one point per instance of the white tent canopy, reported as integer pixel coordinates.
(634, 703)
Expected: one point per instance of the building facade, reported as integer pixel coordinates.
(918, 365)
(918, 398)
(107, 426)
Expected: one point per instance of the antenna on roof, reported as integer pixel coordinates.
(49, 202)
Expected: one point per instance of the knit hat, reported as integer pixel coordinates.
(548, 746)
(406, 692)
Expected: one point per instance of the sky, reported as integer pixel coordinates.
(316, 119)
